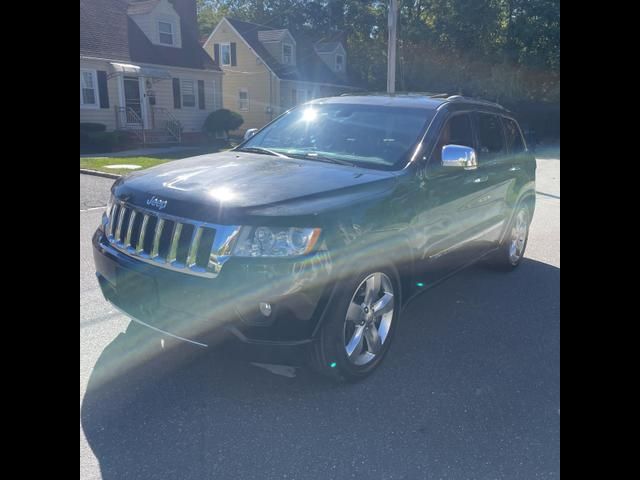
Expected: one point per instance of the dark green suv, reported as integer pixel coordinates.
(317, 230)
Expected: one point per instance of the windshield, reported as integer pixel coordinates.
(364, 135)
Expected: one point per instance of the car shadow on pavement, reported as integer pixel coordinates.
(470, 389)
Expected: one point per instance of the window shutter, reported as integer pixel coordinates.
(233, 54)
(176, 93)
(216, 53)
(201, 94)
(103, 92)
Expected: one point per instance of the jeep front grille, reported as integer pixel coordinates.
(187, 246)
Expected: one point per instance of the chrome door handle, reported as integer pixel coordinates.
(515, 168)
(481, 179)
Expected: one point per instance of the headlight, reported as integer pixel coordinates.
(109, 205)
(275, 241)
(107, 212)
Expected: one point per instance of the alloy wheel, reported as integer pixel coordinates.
(368, 319)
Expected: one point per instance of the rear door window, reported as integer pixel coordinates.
(515, 142)
(491, 142)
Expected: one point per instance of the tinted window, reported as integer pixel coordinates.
(457, 131)
(490, 136)
(375, 136)
(515, 143)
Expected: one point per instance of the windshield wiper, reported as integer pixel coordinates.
(262, 151)
(321, 158)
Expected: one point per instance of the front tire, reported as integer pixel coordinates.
(358, 326)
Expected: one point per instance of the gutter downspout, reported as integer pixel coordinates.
(270, 96)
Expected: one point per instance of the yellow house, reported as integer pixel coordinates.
(266, 71)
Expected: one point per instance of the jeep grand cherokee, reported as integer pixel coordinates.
(318, 229)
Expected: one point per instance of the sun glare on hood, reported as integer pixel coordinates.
(222, 194)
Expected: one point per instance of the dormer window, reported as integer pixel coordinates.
(225, 53)
(287, 54)
(165, 31)
(339, 63)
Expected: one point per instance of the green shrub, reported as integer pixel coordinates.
(95, 142)
(89, 127)
(222, 120)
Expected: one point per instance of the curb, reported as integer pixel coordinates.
(99, 174)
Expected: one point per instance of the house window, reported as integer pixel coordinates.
(216, 97)
(339, 63)
(165, 30)
(243, 100)
(225, 53)
(287, 54)
(88, 89)
(188, 93)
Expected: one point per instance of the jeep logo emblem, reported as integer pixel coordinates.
(156, 202)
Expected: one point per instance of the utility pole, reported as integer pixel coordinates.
(391, 47)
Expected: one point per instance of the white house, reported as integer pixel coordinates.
(142, 69)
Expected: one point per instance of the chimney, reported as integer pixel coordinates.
(188, 16)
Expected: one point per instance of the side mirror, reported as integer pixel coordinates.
(458, 156)
(250, 133)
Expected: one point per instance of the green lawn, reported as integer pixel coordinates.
(100, 163)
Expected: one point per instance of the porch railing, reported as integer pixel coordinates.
(128, 119)
(162, 118)
(164, 126)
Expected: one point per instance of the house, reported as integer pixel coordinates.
(267, 70)
(143, 70)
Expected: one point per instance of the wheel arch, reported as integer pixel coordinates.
(345, 272)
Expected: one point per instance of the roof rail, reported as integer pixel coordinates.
(412, 94)
(445, 96)
(479, 101)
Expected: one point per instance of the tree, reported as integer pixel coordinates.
(222, 120)
(500, 49)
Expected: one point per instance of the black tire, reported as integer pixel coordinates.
(504, 258)
(328, 354)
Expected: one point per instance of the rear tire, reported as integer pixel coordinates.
(358, 326)
(511, 250)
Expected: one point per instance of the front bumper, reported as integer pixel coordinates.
(197, 309)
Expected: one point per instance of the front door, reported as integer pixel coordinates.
(132, 101)
(454, 205)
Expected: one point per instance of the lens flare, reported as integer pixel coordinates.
(309, 115)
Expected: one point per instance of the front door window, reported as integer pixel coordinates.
(132, 100)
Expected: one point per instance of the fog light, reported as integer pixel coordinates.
(265, 309)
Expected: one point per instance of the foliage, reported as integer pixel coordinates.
(88, 127)
(222, 120)
(93, 139)
(505, 50)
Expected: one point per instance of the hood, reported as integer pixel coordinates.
(209, 187)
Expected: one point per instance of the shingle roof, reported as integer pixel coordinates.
(326, 47)
(106, 31)
(309, 68)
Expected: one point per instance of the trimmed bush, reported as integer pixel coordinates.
(89, 127)
(222, 120)
(96, 142)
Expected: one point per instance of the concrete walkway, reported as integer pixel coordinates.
(141, 152)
